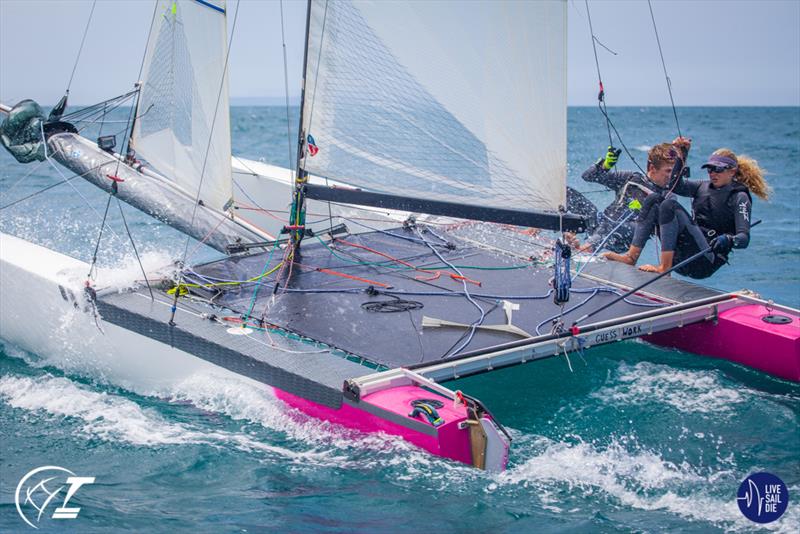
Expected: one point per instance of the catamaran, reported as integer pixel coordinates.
(428, 136)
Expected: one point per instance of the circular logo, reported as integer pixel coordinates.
(762, 497)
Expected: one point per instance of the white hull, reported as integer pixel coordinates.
(34, 316)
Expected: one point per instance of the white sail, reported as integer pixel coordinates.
(183, 129)
(462, 101)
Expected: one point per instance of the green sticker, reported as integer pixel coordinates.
(635, 205)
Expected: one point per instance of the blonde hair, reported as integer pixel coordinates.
(661, 154)
(748, 173)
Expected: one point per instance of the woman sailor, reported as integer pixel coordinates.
(720, 222)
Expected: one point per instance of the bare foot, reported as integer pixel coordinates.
(651, 268)
(622, 258)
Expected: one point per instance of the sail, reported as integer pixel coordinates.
(460, 102)
(183, 124)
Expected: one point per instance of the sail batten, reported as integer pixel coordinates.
(422, 99)
(183, 128)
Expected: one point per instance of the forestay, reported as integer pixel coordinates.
(183, 129)
(460, 102)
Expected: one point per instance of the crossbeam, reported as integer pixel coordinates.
(548, 346)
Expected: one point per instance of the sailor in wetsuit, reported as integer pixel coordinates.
(629, 187)
(721, 209)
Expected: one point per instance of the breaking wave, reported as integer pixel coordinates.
(628, 477)
(645, 383)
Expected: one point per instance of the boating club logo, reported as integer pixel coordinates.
(762, 497)
(46, 486)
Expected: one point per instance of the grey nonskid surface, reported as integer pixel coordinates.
(337, 318)
(317, 377)
(668, 288)
(399, 339)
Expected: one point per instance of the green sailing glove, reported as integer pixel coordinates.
(612, 156)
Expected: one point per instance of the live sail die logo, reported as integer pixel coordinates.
(762, 497)
(45, 486)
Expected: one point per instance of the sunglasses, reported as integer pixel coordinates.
(716, 170)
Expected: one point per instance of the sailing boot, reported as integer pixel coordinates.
(629, 257)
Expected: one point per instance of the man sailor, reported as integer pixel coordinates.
(631, 188)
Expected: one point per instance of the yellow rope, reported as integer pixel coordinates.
(184, 291)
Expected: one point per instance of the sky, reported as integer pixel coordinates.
(718, 52)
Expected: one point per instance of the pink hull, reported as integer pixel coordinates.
(742, 336)
(446, 440)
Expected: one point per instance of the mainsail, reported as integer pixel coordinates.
(183, 128)
(461, 103)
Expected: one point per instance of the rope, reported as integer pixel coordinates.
(15, 184)
(253, 298)
(211, 131)
(174, 308)
(135, 252)
(286, 86)
(641, 286)
(601, 102)
(603, 242)
(391, 306)
(664, 65)
(68, 182)
(99, 237)
(601, 95)
(479, 321)
(80, 49)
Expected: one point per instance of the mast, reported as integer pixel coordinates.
(297, 216)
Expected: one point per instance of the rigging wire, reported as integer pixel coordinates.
(205, 159)
(99, 237)
(135, 251)
(601, 101)
(51, 186)
(664, 65)
(286, 85)
(601, 104)
(211, 132)
(85, 200)
(127, 142)
(80, 49)
(297, 217)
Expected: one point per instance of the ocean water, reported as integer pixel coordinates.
(636, 439)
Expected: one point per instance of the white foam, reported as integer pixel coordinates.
(245, 400)
(117, 419)
(126, 272)
(686, 391)
(106, 416)
(638, 479)
(643, 148)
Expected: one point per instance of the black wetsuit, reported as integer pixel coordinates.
(628, 186)
(716, 211)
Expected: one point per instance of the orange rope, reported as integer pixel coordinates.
(435, 273)
(344, 275)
